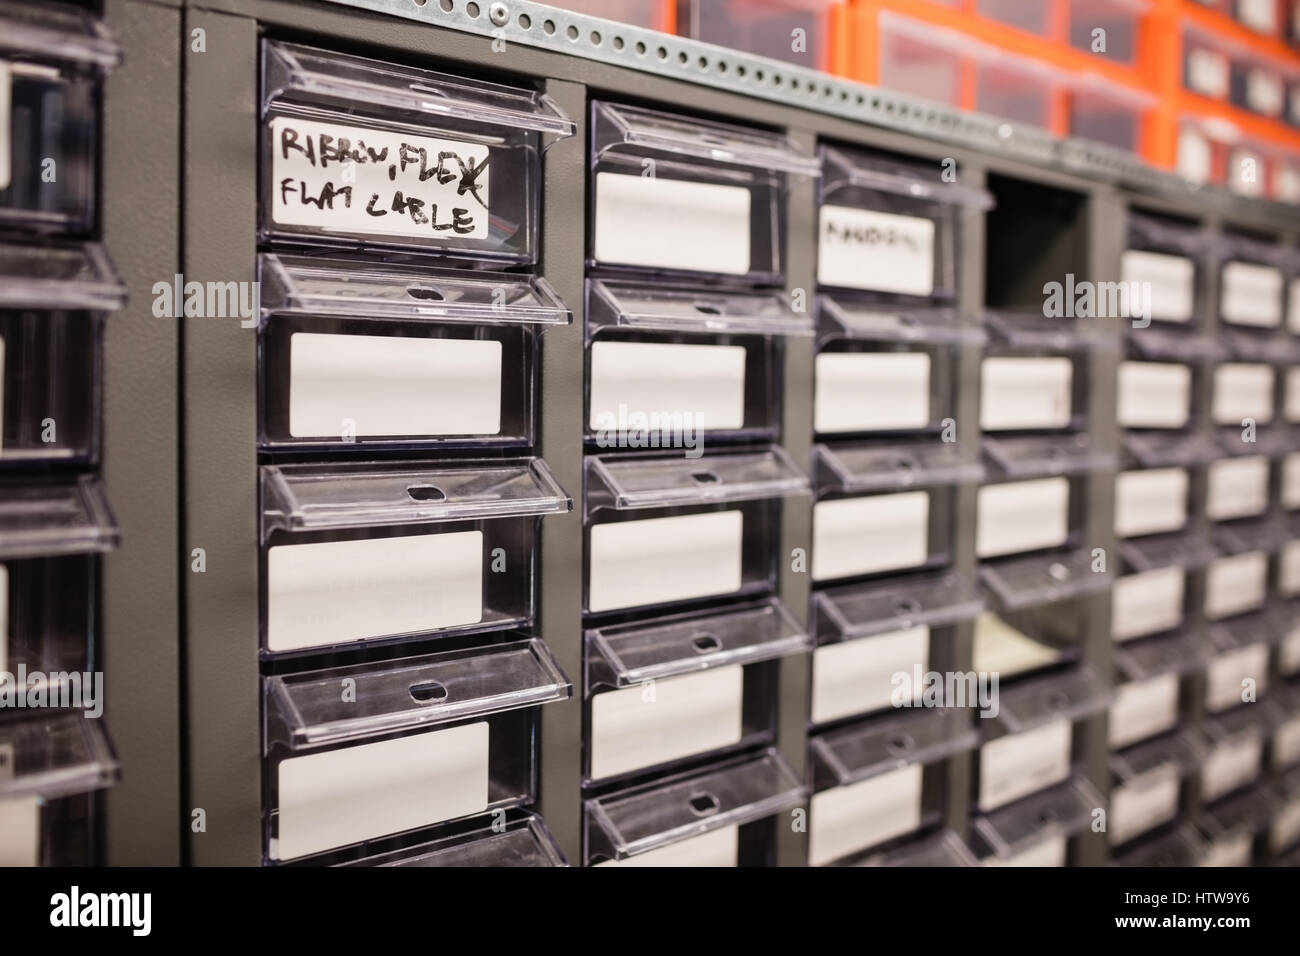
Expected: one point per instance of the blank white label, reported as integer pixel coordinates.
(20, 831)
(1143, 709)
(1172, 281)
(850, 819)
(1207, 72)
(336, 591)
(388, 385)
(1230, 766)
(1020, 764)
(1022, 516)
(1146, 802)
(358, 793)
(871, 391)
(1154, 394)
(1252, 294)
(1226, 676)
(355, 179)
(672, 223)
(1264, 92)
(1288, 575)
(1242, 391)
(864, 249)
(1286, 743)
(1291, 481)
(1293, 300)
(1150, 501)
(1195, 156)
(854, 677)
(1232, 850)
(1147, 603)
(715, 848)
(704, 382)
(1292, 406)
(1235, 583)
(1286, 826)
(664, 559)
(665, 720)
(1259, 15)
(1288, 652)
(1049, 852)
(1025, 393)
(870, 534)
(1237, 487)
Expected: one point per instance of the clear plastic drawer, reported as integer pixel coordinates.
(1148, 783)
(517, 839)
(1153, 697)
(1038, 830)
(1167, 256)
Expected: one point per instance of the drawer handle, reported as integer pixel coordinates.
(1047, 817)
(705, 643)
(707, 309)
(705, 477)
(425, 293)
(1057, 700)
(907, 605)
(704, 804)
(899, 744)
(426, 493)
(428, 692)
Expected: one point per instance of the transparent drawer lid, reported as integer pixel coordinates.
(844, 318)
(640, 307)
(54, 755)
(942, 849)
(1162, 451)
(646, 818)
(872, 747)
(624, 655)
(301, 285)
(1154, 656)
(521, 841)
(1280, 348)
(628, 482)
(1181, 750)
(1070, 694)
(307, 710)
(1241, 725)
(1030, 330)
(1042, 579)
(1181, 848)
(56, 33)
(1161, 235)
(1035, 457)
(1178, 344)
(1254, 534)
(1167, 551)
(1247, 812)
(339, 495)
(880, 467)
(306, 74)
(856, 611)
(1060, 811)
(872, 172)
(1244, 630)
(53, 517)
(631, 126)
(58, 277)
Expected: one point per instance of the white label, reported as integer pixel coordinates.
(1252, 295)
(715, 848)
(1288, 575)
(358, 793)
(1025, 393)
(871, 391)
(1154, 394)
(854, 677)
(1143, 709)
(1230, 766)
(664, 559)
(665, 720)
(336, 591)
(870, 534)
(1146, 603)
(672, 224)
(1172, 280)
(864, 249)
(1242, 391)
(1231, 850)
(1195, 156)
(1000, 648)
(1291, 481)
(388, 385)
(356, 179)
(1286, 743)
(1150, 501)
(1288, 652)
(1022, 516)
(1292, 403)
(1226, 676)
(1146, 802)
(667, 383)
(1237, 487)
(1207, 72)
(1293, 300)
(6, 149)
(1286, 826)
(1019, 764)
(1235, 583)
(1264, 92)
(847, 820)
(1260, 15)
(20, 831)
(1049, 852)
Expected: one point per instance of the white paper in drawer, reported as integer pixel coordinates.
(1236, 487)
(1143, 709)
(870, 534)
(1229, 766)
(1147, 603)
(1022, 516)
(1154, 394)
(20, 831)
(884, 252)
(1025, 393)
(847, 820)
(704, 382)
(1172, 281)
(1235, 583)
(1150, 501)
(1242, 390)
(871, 391)
(1144, 803)
(716, 848)
(1226, 674)
(1252, 294)
(855, 677)
(1019, 764)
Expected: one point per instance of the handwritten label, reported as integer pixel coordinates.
(863, 249)
(354, 179)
